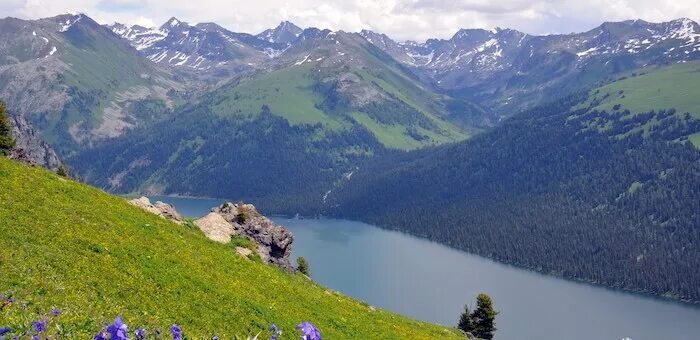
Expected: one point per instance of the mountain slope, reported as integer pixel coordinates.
(75, 81)
(334, 78)
(510, 70)
(603, 196)
(330, 102)
(205, 48)
(70, 246)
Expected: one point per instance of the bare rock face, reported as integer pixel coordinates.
(164, 210)
(29, 147)
(274, 242)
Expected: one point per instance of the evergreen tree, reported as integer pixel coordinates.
(6, 140)
(62, 171)
(465, 321)
(303, 266)
(484, 317)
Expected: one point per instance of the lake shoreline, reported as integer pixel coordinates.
(660, 297)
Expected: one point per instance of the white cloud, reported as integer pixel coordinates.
(400, 19)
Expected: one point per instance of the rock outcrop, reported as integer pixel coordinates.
(274, 242)
(215, 227)
(30, 148)
(159, 208)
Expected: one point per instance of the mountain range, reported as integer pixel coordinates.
(478, 141)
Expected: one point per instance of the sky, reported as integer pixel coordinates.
(400, 19)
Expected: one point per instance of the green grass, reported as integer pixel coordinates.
(71, 246)
(676, 86)
(397, 137)
(288, 92)
(695, 139)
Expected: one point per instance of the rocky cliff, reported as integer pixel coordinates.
(30, 148)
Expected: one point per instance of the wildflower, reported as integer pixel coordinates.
(40, 326)
(215, 337)
(140, 334)
(36, 337)
(100, 336)
(5, 330)
(176, 331)
(276, 332)
(118, 330)
(310, 332)
(55, 312)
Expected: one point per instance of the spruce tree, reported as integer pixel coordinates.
(6, 140)
(484, 317)
(303, 266)
(465, 321)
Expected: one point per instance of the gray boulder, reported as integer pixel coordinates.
(164, 210)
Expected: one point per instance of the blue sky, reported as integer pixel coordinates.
(400, 19)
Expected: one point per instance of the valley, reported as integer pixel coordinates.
(573, 155)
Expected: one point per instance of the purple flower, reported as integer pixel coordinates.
(276, 332)
(309, 331)
(36, 337)
(215, 337)
(100, 336)
(40, 326)
(118, 330)
(5, 330)
(140, 334)
(55, 312)
(176, 331)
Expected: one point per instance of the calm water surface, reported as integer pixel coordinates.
(432, 282)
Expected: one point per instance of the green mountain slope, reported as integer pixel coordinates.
(76, 81)
(73, 247)
(674, 87)
(340, 80)
(327, 105)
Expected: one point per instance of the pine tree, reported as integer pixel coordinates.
(465, 321)
(484, 317)
(6, 140)
(62, 171)
(303, 266)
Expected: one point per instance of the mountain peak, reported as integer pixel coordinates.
(284, 33)
(288, 25)
(172, 22)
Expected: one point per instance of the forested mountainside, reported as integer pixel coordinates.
(65, 245)
(601, 187)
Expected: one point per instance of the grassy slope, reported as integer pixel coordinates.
(289, 93)
(71, 246)
(676, 86)
(659, 88)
